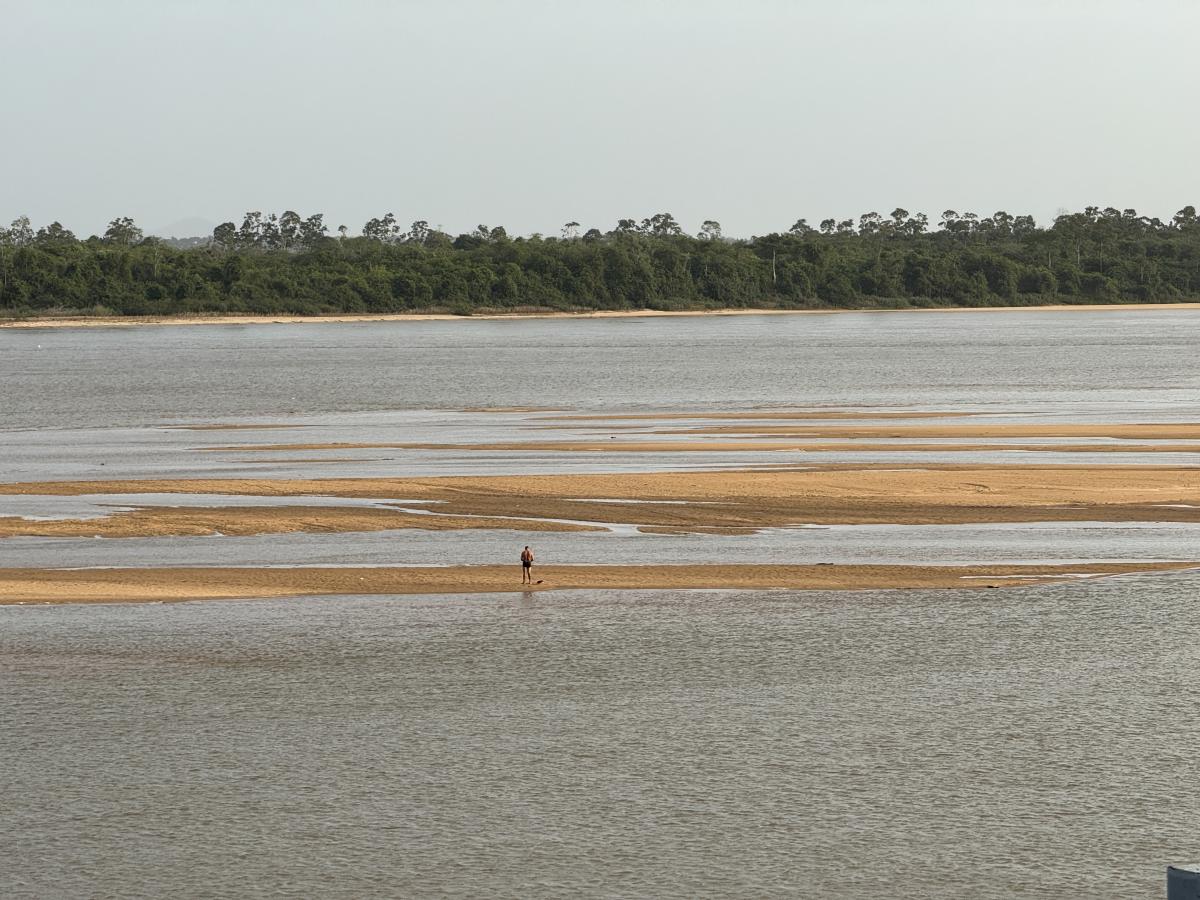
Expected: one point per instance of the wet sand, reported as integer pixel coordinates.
(706, 446)
(19, 586)
(832, 494)
(224, 427)
(238, 521)
(128, 321)
(766, 414)
(1115, 431)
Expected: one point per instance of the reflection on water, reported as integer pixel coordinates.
(911, 744)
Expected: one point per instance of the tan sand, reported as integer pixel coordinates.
(221, 427)
(851, 494)
(708, 446)
(242, 520)
(763, 415)
(510, 409)
(315, 461)
(112, 321)
(177, 584)
(1142, 431)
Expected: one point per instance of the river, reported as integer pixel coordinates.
(1030, 742)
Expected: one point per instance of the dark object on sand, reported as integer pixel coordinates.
(1183, 882)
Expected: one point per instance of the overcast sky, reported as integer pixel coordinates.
(530, 113)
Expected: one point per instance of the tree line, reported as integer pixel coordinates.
(288, 263)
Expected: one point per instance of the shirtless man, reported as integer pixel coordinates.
(526, 565)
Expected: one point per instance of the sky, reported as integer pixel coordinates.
(533, 113)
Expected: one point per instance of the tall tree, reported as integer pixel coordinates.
(313, 230)
(225, 236)
(383, 229)
(19, 233)
(123, 231)
(661, 225)
(54, 233)
(290, 225)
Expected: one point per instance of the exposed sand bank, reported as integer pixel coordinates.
(177, 584)
(765, 415)
(128, 321)
(706, 446)
(512, 409)
(248, 520)
(1146, 431)
(834, 494)
(223, 427)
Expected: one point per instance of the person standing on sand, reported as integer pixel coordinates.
(526, 565)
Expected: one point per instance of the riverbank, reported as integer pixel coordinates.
(129, 321)
(39, 586)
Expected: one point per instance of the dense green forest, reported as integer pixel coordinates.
(290, 264)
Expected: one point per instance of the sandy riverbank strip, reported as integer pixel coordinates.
(241, 521)
(1146, 431)
(221, 426)
(749, 446)
(19, 586)
(129, 321)
(741, 499)
(760, 415)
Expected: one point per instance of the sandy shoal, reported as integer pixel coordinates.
(238, 521)
(111, 321)
(706, 446)
(1143, 431)
(218, 426)
(763, 415)
(176, 584)
(511, 409)
(830, 494)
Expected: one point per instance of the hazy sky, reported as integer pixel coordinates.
(530, 113)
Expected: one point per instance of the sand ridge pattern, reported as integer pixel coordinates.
(816, 414)
(159, 521)
(1114, 431)
(746, 499)
(706, 446)
(19, 586)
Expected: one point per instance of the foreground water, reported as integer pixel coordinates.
(903, 744)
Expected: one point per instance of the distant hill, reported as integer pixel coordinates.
(187, 243)
(186, 233)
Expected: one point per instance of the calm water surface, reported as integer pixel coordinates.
(894, 744)
(1073, 361)
(1016, 743)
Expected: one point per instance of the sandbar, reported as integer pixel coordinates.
(765, 415)
(158, 521)
(829, 494)
(1116, 431)
(224, 427)
(705, 446)
(21, 586)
